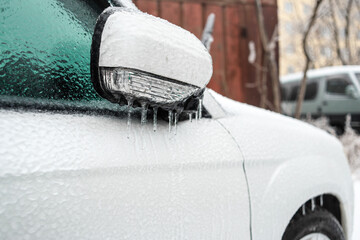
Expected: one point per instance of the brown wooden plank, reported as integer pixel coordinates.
(249, 81)
(181, 7)
(224, 59)
(171, 11)
(217, 82)
(150, 7)
(243, 51)
(192, 20)
(233, 51)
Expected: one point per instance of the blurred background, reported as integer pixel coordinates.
(336, 31)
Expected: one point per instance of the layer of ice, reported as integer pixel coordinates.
(287, 163)
(140, 41)
(71, 176)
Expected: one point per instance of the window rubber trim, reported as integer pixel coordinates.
(95, 52)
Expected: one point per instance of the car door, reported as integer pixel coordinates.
(311, 101)
(311, 98)
(74, 167)
(336, 102)
(67, 175)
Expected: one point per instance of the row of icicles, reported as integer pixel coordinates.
(172, 114)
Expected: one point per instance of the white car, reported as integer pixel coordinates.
(75, 166)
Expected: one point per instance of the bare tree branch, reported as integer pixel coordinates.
(336, 33)
(269, 55)
(274, 39)
(261, 74)
(357, 3)
(308, 60)
(347, 28)
(260, 18)
(339, 6)
(263, 84)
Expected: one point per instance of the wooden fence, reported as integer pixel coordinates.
(235, 26)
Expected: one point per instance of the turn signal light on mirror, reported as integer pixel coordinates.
(144, 87)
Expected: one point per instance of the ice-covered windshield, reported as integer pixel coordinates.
(45, 49)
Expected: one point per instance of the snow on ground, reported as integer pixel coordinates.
(350, 141)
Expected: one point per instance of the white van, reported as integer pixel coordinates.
(333, 92)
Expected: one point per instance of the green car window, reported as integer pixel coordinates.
(45, 49)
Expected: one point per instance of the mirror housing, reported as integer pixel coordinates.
(139, 58)
(351, 92)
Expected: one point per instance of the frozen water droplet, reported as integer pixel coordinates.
(200, 108)
(170, 120)
(144, 108)
(190, 117)
(155, 109)
(175, 121)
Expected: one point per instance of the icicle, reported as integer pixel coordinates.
(155, 109)
(190, 116)
(170, 120)
(303, 210)
(321, 201)
(178, 112)
(130, 103)
(175, 121)
(312, 204)
(200, 108)
(143, 113)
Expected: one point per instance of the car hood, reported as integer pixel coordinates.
(234, 108)
(284, 155)
(267, 136)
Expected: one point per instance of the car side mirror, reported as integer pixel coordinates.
(351, 92)
(141, 59)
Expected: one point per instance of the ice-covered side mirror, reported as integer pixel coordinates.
(142, 59)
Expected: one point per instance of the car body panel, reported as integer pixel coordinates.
(72, 168)
(287, 162)
(67, 176)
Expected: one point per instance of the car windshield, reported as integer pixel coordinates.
(45, 50)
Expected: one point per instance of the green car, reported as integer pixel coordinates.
(332, 92)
